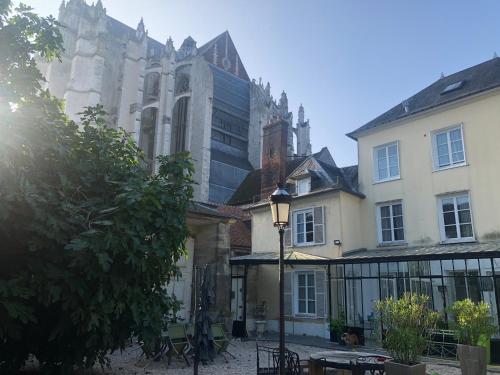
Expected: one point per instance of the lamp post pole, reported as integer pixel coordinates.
(282, 302)
(280, 208)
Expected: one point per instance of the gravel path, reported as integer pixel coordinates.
(127, 363)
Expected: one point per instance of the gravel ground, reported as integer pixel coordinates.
(128, 363)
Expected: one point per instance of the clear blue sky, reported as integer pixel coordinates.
(346, 61)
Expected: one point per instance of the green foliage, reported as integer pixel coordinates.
(89, 239)
(24, 35)
(472, 320)
(337, 325)
(407, 322)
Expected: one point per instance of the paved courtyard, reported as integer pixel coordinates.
(127, 363)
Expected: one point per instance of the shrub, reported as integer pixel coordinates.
(406, 323)
(472, 320)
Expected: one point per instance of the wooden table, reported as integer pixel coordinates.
(345, 361)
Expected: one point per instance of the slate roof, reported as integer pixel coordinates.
(455, 251)
(249, 189)
(462, 250)
(476, 79)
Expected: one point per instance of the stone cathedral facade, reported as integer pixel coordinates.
(196, 99)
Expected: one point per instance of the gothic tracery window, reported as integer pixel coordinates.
(151, 87)
(182, 80)
(179, 124)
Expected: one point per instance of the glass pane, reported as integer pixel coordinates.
(450, 231)
(370, 297)
(365, 270)
(382, 173)
(425, 268)
(356, 269)
(397, 209)
(456, 135)
(309, 217)
(302, 307)
(394, 171)
(383, 269)
(338, 298)
(338, 270)
(441, 139)
(496, 265)
(466, 230)
(413, 268)
(472, 267)
(393, 151)
(457, 157)
(398, 221)
(302, 293)
(448, 204)
(403, 269)
(438, 295)
(473, 288)
(311, 307)
(426, 288)
(463, 203)
(443, 160)
(310, 279)
(435, 268)
(354, 303)
(488, 295)
(310, 294)
(310, 237)
(300, 237)
(459, 266)
(449, 218)
(447, 267)
(399, 235)
(348, 270)
(464, 216)
(386, 223)
(485, 266)
(386, 236)
(374, 269)
(385, 211)
(392, 269)
(302, 280)
(300, 218)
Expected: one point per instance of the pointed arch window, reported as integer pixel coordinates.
(179, 124)
(151, 87)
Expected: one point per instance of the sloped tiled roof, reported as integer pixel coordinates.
(476, 79)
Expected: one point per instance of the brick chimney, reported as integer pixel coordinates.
(274, 156)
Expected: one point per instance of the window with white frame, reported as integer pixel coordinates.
(304, 226)
(306, 293)
(303, 186)
(455, 218)
(386, 162)
(448, 148)
(390, 222)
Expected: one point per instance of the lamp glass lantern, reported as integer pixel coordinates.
(280, 207)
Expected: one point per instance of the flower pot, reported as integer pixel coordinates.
(394, 368)
(260, 327)
(472, 359)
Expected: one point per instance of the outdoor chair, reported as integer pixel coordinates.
(178, 342)
(221, 342)
(265, 360)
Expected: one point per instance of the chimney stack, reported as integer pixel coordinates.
(274, 155)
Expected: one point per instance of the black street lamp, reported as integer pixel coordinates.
(280, 209)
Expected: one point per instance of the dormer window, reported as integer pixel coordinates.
(303, 186)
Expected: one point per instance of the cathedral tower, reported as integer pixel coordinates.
(303, 132)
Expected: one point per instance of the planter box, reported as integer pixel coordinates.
(394, 368)
(472, 359)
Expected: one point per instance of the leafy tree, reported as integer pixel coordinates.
(88, 239)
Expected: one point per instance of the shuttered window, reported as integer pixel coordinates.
(305, 292)
(308, 227)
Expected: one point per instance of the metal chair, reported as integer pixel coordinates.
(221, 341)
(178, 342)
(265, 360)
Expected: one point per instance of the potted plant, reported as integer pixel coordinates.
(260, 319)
(473, 321)
(406, 323)
(337, 328)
